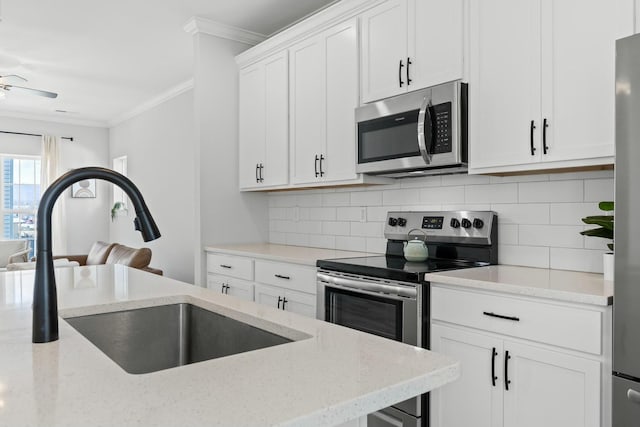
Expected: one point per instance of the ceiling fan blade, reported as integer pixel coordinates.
(30, 91)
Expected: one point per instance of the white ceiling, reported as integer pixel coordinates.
(104, 58)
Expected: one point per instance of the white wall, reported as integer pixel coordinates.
(159, 145)
(87, 220)
(223, 213)
(538, 215)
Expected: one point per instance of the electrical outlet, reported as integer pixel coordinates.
(363, 214)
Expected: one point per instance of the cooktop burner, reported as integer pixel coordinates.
(394, 267)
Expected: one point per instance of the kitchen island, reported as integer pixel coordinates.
(327, 376)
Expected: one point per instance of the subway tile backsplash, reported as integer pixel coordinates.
(538, 215)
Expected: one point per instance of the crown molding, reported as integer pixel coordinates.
(202, 25)
(52, 118)
(153, 102)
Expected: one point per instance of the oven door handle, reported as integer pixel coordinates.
(425, 114)
(373, 288)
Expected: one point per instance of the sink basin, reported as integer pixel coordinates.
(155, 338)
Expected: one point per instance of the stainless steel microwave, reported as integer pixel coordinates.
(415, 134)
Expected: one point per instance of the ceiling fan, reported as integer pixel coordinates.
(4, 85)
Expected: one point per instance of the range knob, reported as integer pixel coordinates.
(402, 222)
(393, 222)
(466, 223)
(478, 223)
(455, 223)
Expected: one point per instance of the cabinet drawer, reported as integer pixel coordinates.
(291, 276)
(230, 265)
(569, 327)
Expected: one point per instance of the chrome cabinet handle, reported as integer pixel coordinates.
(633, 396)
(425, 113)
(315, 165)
(257, 178)
(260, 167)
(321, 159)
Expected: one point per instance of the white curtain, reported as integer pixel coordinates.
(50, 170)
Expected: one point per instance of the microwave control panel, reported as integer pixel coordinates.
(441, 114)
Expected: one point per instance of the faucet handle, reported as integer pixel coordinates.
(136, 224)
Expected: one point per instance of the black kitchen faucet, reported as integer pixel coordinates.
(45, 303)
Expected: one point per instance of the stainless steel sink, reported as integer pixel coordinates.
(152, 339)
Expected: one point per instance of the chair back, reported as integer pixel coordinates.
(13, 251)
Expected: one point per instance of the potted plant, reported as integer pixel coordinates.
(604, 230)
(117, 209)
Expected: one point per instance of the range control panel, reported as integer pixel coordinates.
(446, 226)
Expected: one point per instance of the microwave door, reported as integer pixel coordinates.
(425, 130)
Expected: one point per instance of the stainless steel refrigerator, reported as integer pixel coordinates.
(626, 303)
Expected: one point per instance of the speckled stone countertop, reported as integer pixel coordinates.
(327, 376)
(560, 285)
(284, 253)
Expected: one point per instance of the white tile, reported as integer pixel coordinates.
(442, 195)
(532, 213)
(420, 207)
(379, 213)
(283, 226)
(466, 207)
(348, 214)
(367, 229)
(519, 178)
(563, 236)
(309, 200)
(528, 256)
(556, 191)
(427, 181)
(351, 243)
(400, 197)
(576, 259)
(279, 213)
(464, 179)
(597, 243)
(328, 242)
(277, 238)
(571, 213)
(297, 239)
(507, 234)
(376, 245)
(366, 198)
(282, 201)
(492, 193)
(335, 199)
(304, 214)
(581, 175)
(309, 227)
(598, 190)
(322, 214)
(336, 228)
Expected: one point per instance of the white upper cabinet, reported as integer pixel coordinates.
(264, 121)
(323, 97)
(541, 83)
(410, 44)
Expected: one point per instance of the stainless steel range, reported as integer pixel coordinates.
(387, 296)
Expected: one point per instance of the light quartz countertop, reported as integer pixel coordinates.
(327, 376)
(285, 253)
(560, 285)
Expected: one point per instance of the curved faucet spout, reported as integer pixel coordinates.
(45, 304)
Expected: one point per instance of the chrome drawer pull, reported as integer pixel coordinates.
(500, 316)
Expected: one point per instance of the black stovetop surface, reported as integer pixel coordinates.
(394, 267)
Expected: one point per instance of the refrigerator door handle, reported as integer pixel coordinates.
(633, 396)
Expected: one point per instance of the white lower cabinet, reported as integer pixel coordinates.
(230, 286)
(507, 380)
(286, 299)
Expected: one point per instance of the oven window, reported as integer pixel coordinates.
(390, 137)
(375, 315)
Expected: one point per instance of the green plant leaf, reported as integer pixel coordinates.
(604, 221)
(598, 232)
(610, 246)
(605, 206)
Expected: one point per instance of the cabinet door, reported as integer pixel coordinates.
(341, 47)
(550, 389)
(251, 124)
(215, 282)
(276, 133)
(384, 46)
(230, 286)
(504, 82)
(268, 295)
(472, 400)
(300, 303)
(578, 63)
(435, 42)
(308, 113)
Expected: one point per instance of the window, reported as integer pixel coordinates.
(20, 197)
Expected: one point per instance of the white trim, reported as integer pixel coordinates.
(153, 102)
(53, 118)
(202, 25)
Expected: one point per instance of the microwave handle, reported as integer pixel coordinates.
(425, 114)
